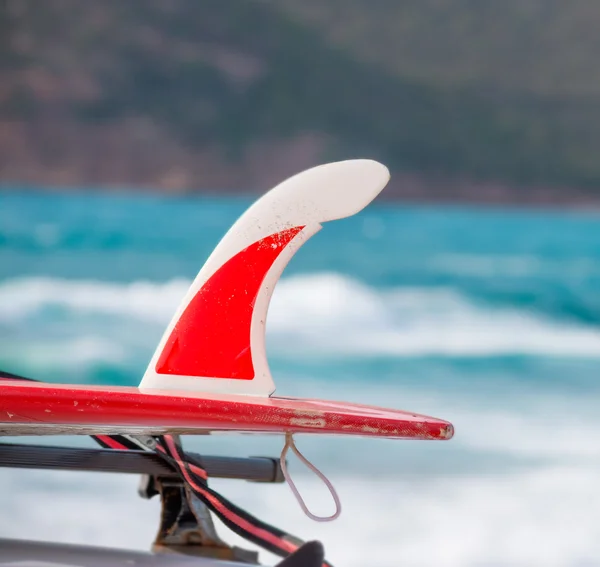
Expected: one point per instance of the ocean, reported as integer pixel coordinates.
(489, 318)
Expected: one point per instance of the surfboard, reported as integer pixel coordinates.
(210, 370)
(35, 408)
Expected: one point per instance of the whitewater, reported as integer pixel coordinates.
(486, 318)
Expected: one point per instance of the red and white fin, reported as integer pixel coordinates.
(216, 340)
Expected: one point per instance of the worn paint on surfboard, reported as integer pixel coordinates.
(210, 370)
(30, 407)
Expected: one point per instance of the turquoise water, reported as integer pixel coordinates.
(489, 319)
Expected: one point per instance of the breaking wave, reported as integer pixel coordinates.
(322, 313)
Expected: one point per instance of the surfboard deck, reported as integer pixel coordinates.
(35, 408)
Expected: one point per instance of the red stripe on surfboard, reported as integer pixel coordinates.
(212, 336)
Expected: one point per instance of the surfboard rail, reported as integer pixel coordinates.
(35, 408)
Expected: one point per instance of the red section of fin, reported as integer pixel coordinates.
(212, 336)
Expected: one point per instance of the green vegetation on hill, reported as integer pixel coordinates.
(543, 47)
(503, 91)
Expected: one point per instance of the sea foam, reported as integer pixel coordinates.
(322, 313)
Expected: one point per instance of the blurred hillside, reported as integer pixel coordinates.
(463, 99)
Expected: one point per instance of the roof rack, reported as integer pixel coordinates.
(12, 455)
(186, 526)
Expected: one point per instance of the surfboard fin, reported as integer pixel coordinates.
(216, 339)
